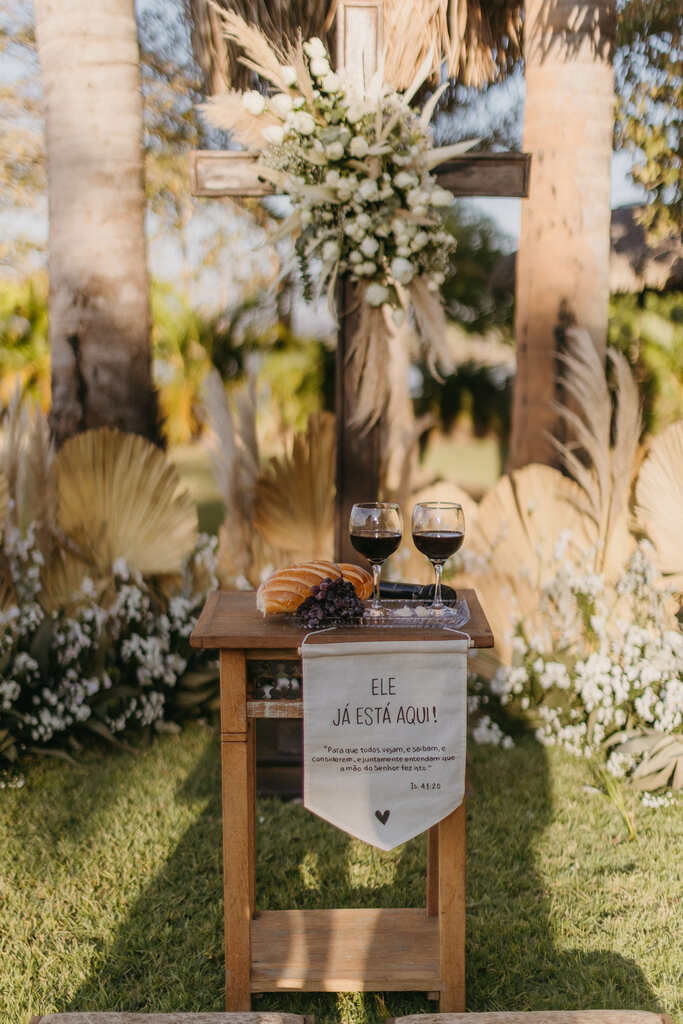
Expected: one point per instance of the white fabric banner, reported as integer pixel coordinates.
(385, 735)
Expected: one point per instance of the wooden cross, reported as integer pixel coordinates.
(217, 173)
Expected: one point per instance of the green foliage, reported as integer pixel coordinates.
(24, 349)
(649, 113)
(648, 329)
(111, 878)
(471, 295)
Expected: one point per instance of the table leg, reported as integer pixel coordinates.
(237, 848)
(452, 911)
(433, 871)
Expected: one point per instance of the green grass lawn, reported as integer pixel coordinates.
(110, 887)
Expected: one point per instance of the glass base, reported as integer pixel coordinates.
(372, 614)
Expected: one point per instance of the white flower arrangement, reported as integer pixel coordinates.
(358, 171)
(614, 676)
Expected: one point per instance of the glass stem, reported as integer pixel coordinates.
(376, 573)
(438, 569)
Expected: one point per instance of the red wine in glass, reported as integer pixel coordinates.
(376, 547)
(438, 545)
(375, 529)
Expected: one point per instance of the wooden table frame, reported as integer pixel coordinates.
(407, 949)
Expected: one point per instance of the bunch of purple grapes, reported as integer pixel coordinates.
(332, 602)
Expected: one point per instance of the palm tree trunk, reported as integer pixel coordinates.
(99, 294)
(563, 258)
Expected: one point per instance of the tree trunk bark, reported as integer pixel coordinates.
(563, 258)
(99, 293)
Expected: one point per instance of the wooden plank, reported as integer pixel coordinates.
(275, 709)
(178, 1017)
(369, 950)
(360, 39)
(487, 174)
(452, 910)
(537, 1017)
(216, 172)
(237, 866)
(433, 871)
(251, 798)
(231, 621)
(357, 450)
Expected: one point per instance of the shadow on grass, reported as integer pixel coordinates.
(168, 955)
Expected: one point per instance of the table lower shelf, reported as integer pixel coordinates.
(377, 950)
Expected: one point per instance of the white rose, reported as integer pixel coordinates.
(404, 179)
(420, 240)
(403, 250)
(297, 102)
(254, 102)
(358, 147)
(376, 294)
(274, 134)
(281, 104)
(330, 252)
(315, 47)
(440, 197)
(343, 190)
(331, 83)
(367, 188)
(369, 246)
(355, 257)
(363, 220)
(320, 67)
(303, 123)
(402, 269)
(335, 151)
(332, 178)
(354, 113)
(289, 75)
(366, 269)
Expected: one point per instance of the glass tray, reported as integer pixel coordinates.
(405, 614)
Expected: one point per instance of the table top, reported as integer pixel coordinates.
(231, 620)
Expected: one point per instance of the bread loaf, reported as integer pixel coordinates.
(286, 589)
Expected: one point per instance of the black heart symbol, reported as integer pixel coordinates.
(382, 816)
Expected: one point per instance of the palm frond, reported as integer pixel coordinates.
(15, 425)
(601, 453)
(263, 56)
(119, 497)
(4, 502)
(294, 498)
(38, 498)
(226, 110)
(659, 499)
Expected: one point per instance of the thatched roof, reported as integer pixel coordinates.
(479, 40)
(634, 264)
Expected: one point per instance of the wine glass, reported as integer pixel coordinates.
(375, 529)
(438, 532)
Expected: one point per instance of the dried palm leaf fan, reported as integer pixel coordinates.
(659, 500)
(478, 41)
(602, 454)
(512, 547)
(119, 497)
(294, 498)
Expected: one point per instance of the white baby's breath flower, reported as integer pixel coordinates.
(254, 102)
(289, 75)
(358, 146)
(281, 104)
(320, 67)
(366, 269)
(369, 246)
(355, 257)
(330, 251)
(355, 113)
(403, 250)
(440, 197)
(376, 294)
(402, 269)
(404, 179)
(421, 239)
(297, 102)
(332, 177)
(335, 151)
(367, 189)
(274, 134)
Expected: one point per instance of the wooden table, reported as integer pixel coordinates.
(407, 949)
